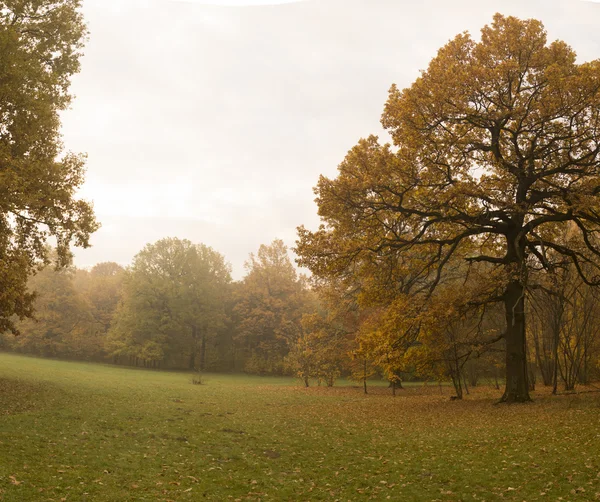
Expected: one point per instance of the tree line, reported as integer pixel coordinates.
(177, 307)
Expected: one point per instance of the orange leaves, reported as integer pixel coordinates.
(270, 303)
(495, 148)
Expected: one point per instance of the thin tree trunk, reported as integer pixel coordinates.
(583, 375)
(193, 349)
(203, 351)
(531, 369)
(555, 372)
(457, 383)
(544, 367)
(465, 383)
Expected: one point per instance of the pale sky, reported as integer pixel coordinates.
(213, 122)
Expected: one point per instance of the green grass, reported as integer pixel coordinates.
(74, 431)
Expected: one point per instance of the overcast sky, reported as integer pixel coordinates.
(213, 122)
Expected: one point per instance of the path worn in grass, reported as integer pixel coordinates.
(72, 431)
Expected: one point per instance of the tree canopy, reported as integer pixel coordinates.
(270, 303)
(40, 46)
(173, 301)
(495, 146)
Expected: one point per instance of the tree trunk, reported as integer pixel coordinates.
(531, 369)
(583, 374)
(203, 351)
(556, 335)
(543, 364)
(192, 364)
(464, 377)
(517, 386)
(455, 375)
(233, 357)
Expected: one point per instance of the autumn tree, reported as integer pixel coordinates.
(63, 325)
(495, 145)
(322, 351)
(40, 47)
(564, 329)
(271, 301)
(173, 303)
(453, 336)
(437, 336)
(102, 288)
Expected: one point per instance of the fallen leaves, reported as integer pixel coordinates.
(321, 444)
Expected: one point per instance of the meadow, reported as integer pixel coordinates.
(76, 431)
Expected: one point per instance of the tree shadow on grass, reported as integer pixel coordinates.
(20, 396)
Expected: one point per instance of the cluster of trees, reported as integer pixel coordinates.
(73, 311)
(175, 306)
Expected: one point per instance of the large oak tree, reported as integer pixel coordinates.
(40, 47)
(495, 146)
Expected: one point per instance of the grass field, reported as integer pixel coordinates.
(74, 431)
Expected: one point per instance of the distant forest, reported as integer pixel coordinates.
(176, 306)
